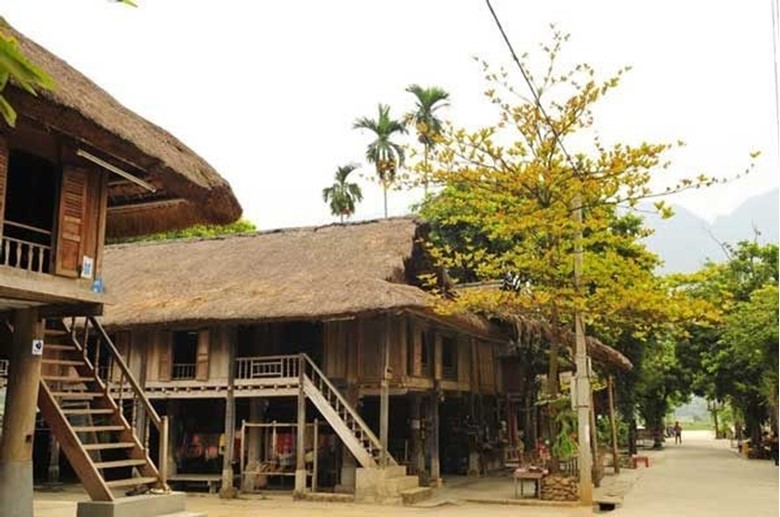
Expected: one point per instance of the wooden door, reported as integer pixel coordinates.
(70, 222)
(202, 357)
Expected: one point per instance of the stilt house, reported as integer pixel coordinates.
(289, 326)
(78, 167)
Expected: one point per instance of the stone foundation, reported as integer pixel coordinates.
(560, 488)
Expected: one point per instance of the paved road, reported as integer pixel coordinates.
(703, 477)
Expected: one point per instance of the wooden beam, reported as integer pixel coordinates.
(228, 491)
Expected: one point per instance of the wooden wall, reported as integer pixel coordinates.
(353, 353)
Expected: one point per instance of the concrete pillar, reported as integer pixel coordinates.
(16, 447)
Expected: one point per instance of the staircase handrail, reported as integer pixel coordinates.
(305, 359)
(119, 361)
(160, 423)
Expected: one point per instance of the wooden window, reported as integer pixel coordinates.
(71, 221)
(449, 358)
(185, 348)
(426, 352)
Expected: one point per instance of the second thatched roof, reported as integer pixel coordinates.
(301, 273)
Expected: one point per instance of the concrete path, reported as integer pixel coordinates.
(702, 477)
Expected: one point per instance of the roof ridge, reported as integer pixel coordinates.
(271, 231)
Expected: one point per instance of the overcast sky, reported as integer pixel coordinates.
(267, 91)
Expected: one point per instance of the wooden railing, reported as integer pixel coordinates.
(182, 371)
(270, 366)
(143, 415)
(24, 255)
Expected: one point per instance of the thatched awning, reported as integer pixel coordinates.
(301, 273)
(602, 354)
(190, 189)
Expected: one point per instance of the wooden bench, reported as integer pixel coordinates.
(521, 475)
(637, 458)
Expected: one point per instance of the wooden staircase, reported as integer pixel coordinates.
(342, 417)
(90, 426)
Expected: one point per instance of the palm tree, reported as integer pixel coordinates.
(343, 195)
(429, 127)
(386, 155)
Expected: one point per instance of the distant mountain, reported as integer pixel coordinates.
(686, 241)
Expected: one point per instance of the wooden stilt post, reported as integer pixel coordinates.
(300, 446)
(228, 491)
(417, 456)
(384, 394)
(612, 424)
(434, 442)
(315, 453)
(594, 445)
(53, 474)
(16, 447)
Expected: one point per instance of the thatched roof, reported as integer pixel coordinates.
(190, 190)
(300, 273)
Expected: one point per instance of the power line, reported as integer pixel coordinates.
(531, 86)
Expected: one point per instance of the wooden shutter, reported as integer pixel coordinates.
(73, 194)
(3, 179)
(202, 368)
(164, 343)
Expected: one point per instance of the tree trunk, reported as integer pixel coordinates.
(384, 192)
(553, 386)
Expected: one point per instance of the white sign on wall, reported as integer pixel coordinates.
(37, 347)
(87, 267)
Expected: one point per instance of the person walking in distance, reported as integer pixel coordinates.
(677, 432)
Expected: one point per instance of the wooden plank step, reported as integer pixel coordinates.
(68, 378)
(62, 362)
(77, 395)
(119, 464)
(105, 446)
(97, 428)
(58, 346)
(55, 332)
(130, 482)
(87, 411)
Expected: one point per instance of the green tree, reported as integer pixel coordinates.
(734, 360)
(428, 125)
(20, 71)
(198, 231)
(342, 195)
(386, 155)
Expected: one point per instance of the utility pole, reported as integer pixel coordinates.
(582, 377)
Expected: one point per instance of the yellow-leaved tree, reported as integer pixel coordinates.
(505, 199)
